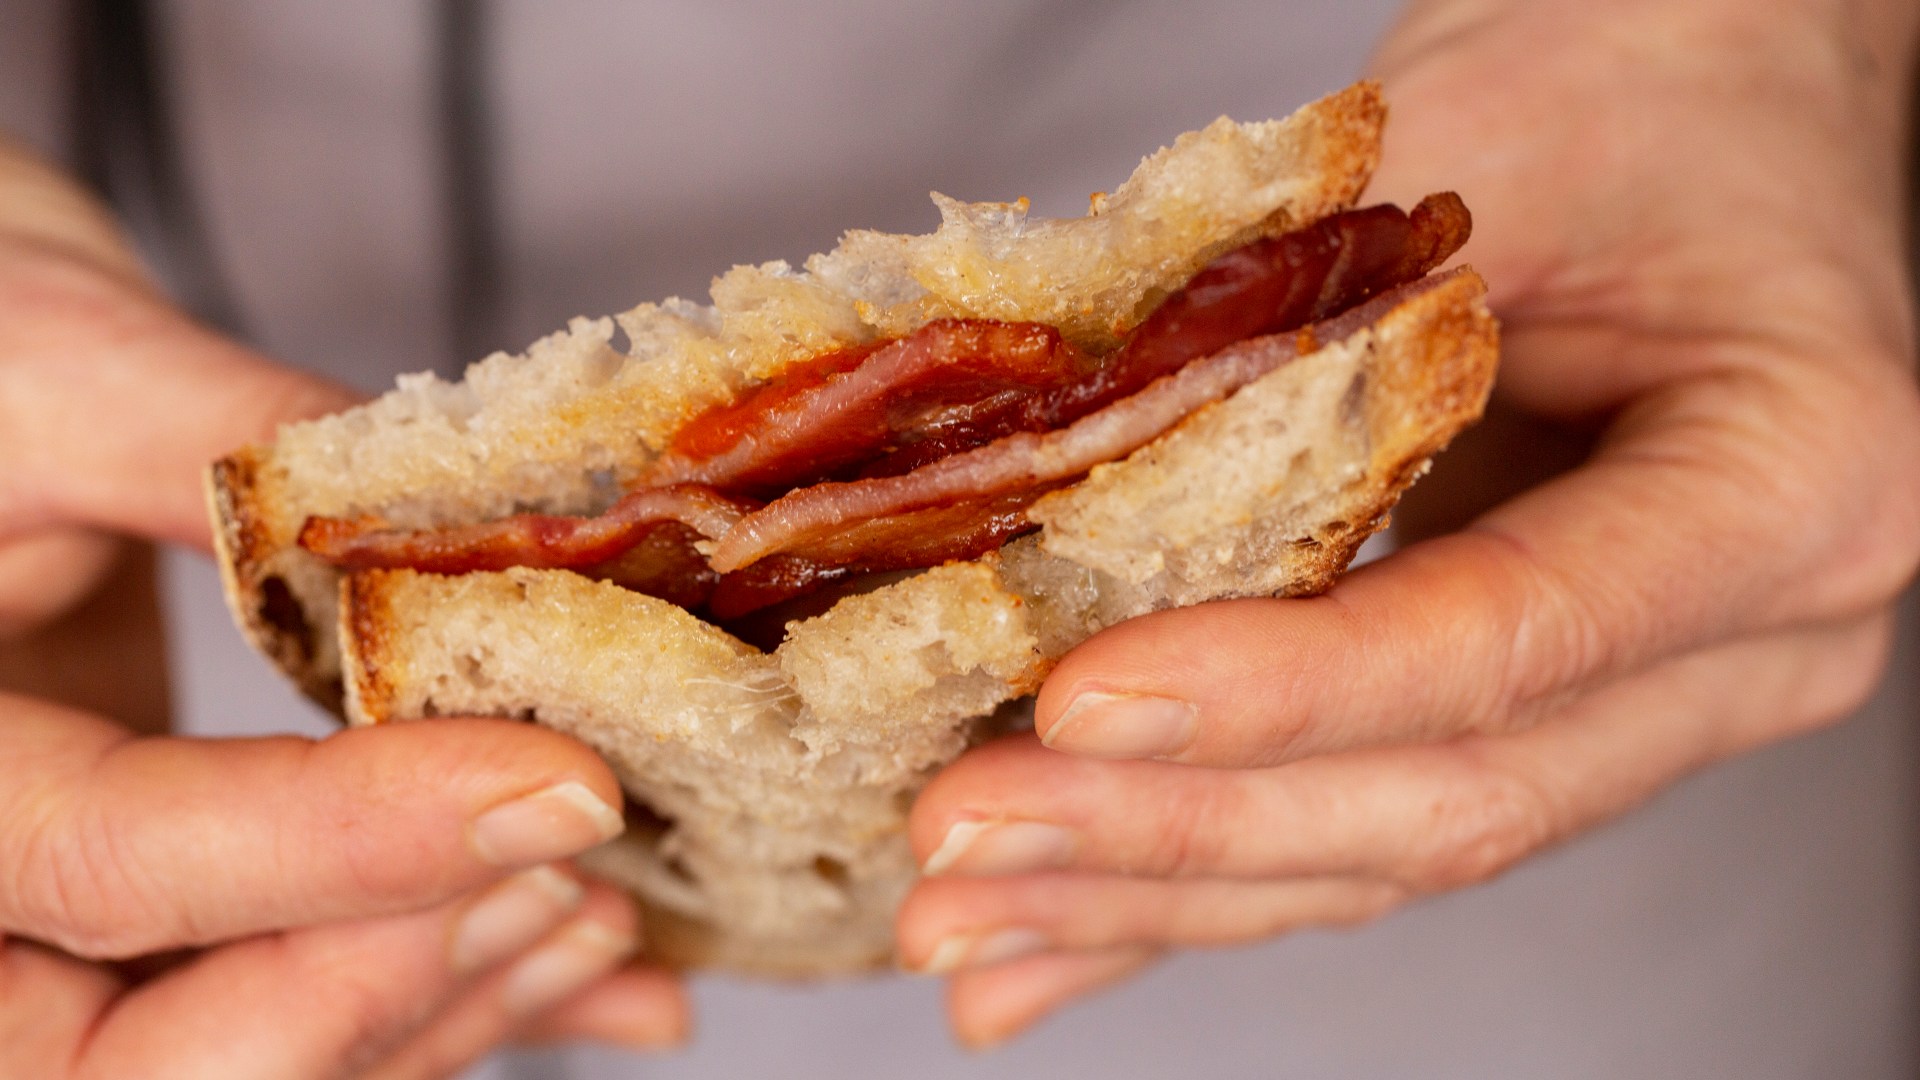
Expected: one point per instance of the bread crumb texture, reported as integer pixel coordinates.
(767, 791)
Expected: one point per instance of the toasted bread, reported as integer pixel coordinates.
(770, 789)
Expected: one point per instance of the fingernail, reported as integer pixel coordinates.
(1003, 847)
(580, 954)
(511, 916)
(956, 951)
(565, 819)
(1122, 726)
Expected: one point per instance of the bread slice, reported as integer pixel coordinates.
(769, 790)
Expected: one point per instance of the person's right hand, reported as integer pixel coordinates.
(380, 903)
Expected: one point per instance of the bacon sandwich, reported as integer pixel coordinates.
(780, 557)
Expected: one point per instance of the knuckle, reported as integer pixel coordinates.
(1479, 830)
(1279, 736)
(1197, 827)
(363, 1013)
(1551, 635)
(367, 1016)
(77, 891)
(377, 869)
(46, 574)
(1857, 506)
(376, 865)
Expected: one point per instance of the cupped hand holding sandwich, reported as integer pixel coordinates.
(272, 932)
(1692, 218)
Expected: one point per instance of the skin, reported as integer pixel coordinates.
(1706, 318)
(157, 887)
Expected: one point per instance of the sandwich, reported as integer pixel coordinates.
(780, 557)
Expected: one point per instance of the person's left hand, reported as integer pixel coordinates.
(1702, 278)
(381, 903)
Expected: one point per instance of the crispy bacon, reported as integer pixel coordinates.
(1274, 285)
(838, 523)
(902, 454)
(994, 483)
(953, 378)
(665, 563)
(536, 540)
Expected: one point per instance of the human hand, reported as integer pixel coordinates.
(380, 903)
(1692, 217)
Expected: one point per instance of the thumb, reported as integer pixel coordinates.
(118, 847)
(112, 401)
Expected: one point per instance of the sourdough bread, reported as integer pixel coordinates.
(769, 790)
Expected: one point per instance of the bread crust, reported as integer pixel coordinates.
(269, 613)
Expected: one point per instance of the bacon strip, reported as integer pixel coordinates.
(948, 379)
(644, 542)
(832, 521)
(1279, 284)
(840, 523)
(535, 540)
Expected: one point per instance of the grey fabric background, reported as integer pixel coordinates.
(1757, 922)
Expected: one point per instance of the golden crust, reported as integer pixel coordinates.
(370, 663)
(265, 605)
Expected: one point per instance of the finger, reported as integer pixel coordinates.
(48, 1003)
(118, 846)
(572, 963)
(333, 1000)
(45, 574)
(988, 1006)
(1834, 256)
(121, 619)
(1664, 544)
(953, 924)
(638, 1008)
(112, 402)
(1430, 816)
